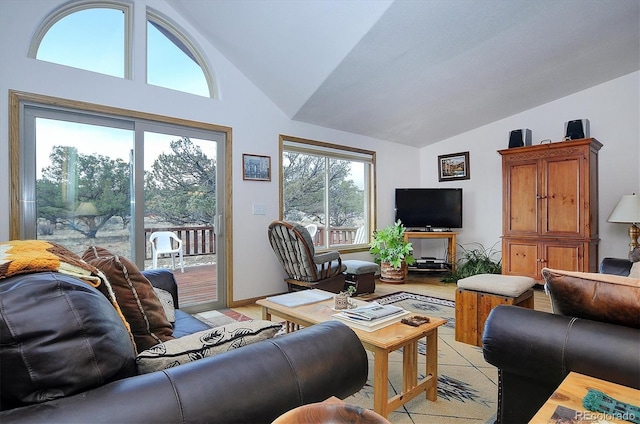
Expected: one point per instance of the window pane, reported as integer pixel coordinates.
(180, 196)
(170, 63)
(83, 180)
(304, 188)
(316, 187)
(91, 39)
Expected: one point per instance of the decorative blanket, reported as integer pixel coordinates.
(29, 256)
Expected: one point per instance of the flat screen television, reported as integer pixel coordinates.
(429, 208)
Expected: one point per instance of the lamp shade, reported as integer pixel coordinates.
(627, 210)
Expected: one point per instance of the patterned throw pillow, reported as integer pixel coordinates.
(135, 296)
(205, 343)
(167, 304)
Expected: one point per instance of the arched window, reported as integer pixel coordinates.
(90, 36)
(96, 36)
(172, 61)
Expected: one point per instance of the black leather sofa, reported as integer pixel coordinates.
(252, 384)
(534, 351)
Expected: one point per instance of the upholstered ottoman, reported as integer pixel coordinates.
(477, 295)
(361, 274)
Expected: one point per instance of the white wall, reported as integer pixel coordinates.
(255, 121)
(613, 110)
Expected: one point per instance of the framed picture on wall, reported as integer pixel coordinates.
(256, 167)
(454, 166)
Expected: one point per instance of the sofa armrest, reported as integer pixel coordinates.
(534, 351)
(165, 280)
(252, 384)
(616, 266)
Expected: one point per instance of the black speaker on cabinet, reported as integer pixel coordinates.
(519, 138)
(576, 129)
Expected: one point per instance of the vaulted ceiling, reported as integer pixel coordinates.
(419, 71)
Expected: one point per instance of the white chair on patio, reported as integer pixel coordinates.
(162, 243)
(312, 228)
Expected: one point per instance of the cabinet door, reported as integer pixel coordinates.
(563, 197)
(520, 198)
(568, 256)
(520, 257)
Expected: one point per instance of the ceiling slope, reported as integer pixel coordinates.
(418, 72)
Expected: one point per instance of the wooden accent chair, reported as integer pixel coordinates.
(305, 269)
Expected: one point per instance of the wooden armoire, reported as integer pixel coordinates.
(550, 207)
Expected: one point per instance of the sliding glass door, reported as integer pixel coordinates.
(94, 180)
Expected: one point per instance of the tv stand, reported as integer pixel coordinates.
(449, 235)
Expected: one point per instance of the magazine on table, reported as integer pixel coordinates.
(372, 325)
(372, 312)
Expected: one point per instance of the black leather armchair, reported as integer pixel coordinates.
(616, 266)
(534, 351)
(252, 384)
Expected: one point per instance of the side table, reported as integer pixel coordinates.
(570, 394)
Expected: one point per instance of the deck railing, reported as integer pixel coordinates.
(196, 241)
(338, 235)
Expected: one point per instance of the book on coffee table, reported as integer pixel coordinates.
(299, 298)
(371, 325)
(372, 311)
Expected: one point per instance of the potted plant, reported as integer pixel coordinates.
(475, 260)
(392, 252)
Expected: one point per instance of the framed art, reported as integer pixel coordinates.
(256, 167)
(453, 167)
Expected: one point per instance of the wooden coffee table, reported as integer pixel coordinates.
(381, 343)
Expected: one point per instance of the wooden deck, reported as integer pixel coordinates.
(197, 284)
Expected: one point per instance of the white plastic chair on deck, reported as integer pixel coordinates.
(312, 228)
(162, 244)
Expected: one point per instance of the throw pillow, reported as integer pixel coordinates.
(205, 343)
(635, 255)
(599, 297)
(635, 270)
(136, 297)
(166, 299)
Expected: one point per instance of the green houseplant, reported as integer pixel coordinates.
(392, 252)
(474, 260)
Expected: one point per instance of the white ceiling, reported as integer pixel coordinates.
(419, 71)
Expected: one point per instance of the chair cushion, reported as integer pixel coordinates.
(504, 285)
(205, 343)
(136, 297)
(60, 337)
(598, 297)
(357, 267)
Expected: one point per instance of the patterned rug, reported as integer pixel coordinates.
(467, 385)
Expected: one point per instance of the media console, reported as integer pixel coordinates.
(449, 264)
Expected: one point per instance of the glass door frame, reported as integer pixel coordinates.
(25, 106)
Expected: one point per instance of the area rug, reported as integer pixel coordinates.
(221, 317)
(467, 385)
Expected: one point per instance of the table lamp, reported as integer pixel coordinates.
(627, 211)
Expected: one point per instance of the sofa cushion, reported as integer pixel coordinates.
(599, 297)
(136, 297)
(60, 337)
(205, 343)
